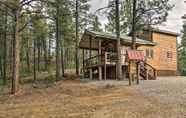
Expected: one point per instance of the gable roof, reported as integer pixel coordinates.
(156, 30)
(109, 36)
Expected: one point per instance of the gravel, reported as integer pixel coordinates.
(169, 90)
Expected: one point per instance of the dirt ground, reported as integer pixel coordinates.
(162, 98)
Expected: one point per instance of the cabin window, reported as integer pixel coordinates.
(110, 49)
(149, 53)
(169, 54)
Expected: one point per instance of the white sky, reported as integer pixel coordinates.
(174, 22)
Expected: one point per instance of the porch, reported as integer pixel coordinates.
(100, 57)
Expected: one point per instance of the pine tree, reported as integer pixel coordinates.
(150, 12)
(182, 53)
(96, 25)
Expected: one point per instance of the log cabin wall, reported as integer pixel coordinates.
(163, 56)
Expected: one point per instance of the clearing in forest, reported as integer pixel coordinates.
(163, 98)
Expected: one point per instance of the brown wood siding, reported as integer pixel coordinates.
(165, 43)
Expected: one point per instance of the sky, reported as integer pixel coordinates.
(174, 22)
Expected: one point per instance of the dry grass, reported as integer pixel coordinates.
(93, 99)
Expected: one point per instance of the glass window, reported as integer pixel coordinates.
(169, 54)
(149, 53)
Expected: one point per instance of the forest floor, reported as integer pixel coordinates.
(162, 98)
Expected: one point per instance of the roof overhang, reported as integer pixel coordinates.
(90, 40)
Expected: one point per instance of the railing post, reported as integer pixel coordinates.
(138, 72)
(91, 77)
(147, 74)
(155, 74)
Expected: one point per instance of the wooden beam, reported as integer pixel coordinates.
(138, 72)
(90, 45)
(91, 74)
(100, 68)
(83, 62)
(105, 66)
(90, 55)
(130, 76)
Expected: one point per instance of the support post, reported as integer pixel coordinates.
(90, 55)
(155, 74)
(91, 77)
(100, 67)
(105, 66)
(130, 76)
(138, 72)
(83, 62)
(147, 75)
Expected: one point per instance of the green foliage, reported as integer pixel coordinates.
(182, 53)
(148, 13)
(96, 25)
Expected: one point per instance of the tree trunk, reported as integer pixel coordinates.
(28, 55)
(118, 68)
(49, 51)
(38, 55)
(45, 54)
(16, 54)
(134, 26)
(62, 62)
(5, 51)
(77, 37)
(57, 45)
(1, 69)
(34, 60)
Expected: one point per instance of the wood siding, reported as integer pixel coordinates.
(165, 53)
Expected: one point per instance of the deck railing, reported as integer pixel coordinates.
(95, 60)
(148, 72)
(106, 58)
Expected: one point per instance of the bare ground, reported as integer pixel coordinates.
(163, 98)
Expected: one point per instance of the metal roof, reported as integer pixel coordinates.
(165, 32)
(136, 55)
(124, 38)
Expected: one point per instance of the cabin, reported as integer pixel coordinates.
(162, 56)
(100, 57)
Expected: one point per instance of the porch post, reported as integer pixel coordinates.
(90, 55)
(100, 67)
(105, 66)
(83, 62)
(138, 72)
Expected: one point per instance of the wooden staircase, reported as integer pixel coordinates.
(147, 72)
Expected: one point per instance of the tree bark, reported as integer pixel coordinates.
(77, 37)
(119, 75)
(49, 52)
(28, 55)
(16, 54)
(38, 55)
(62, 62)
(34, 60)
(134, 26)
(57, 45)
(5, 51)
(45, 53)
(1, 69)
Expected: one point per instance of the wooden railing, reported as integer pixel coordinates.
(110, 58)
(95, 60)
(148, 72)
(107, 58)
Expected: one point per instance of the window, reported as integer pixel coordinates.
(169, 54)
(149, 53)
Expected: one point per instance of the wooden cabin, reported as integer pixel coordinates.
(99, 54)
(162, 56)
